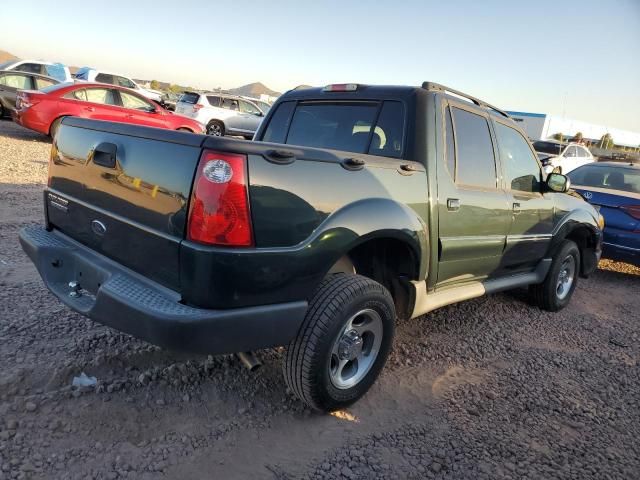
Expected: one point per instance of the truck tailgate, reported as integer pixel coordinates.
(123, 191)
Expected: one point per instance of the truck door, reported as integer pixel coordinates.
(532, 211)
(474, 212)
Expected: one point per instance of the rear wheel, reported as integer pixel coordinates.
(555, 292)
(343, 343)
(215, 128)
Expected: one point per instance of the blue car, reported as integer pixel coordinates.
(615, 188)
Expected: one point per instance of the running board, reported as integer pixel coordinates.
(428, 301)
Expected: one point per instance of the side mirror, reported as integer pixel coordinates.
(556, 182)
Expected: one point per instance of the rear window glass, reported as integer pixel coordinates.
(213, 100)
(610, 178)
(189, 98)
(359, 127)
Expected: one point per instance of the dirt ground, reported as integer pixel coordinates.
(492, 388)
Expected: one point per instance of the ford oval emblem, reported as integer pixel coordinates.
(587, 195)
(98, 227)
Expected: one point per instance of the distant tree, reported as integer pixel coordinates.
(155, 85)
(578, 138)
(606, 141)
(557, 136)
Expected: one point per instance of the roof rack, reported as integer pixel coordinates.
(436, 87)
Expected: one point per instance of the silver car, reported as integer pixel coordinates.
(222, 114)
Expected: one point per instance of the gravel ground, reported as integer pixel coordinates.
(491, 388)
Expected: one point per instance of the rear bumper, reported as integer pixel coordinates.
(117, 297)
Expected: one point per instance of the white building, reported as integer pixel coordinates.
(540, 126)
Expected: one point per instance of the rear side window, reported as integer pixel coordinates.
(189, 97)
(230, 103)
(104, 78)
(476, 164)
(77, 95)
(213, 100)
(104, 96)
(359, 127)
(44, 83)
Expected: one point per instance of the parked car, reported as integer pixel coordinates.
(169, 100)
(615, 189)
(11, 81)
(222, 114)
(263, 106)
(317, 235)
(43, 110)
(54, 70)
(562, 157)
(88, 74)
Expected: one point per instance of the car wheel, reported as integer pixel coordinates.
(555, 292)
(54, 127)
(215, 128)
(1, 111)
(342, 344)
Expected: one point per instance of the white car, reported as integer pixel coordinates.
(89, 74)
(222, 114)
(565, 157)
(49, 69)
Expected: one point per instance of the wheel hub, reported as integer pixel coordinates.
(350, 346)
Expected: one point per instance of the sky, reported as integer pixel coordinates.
(577, 58)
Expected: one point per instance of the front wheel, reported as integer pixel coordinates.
(342, 344)
(555, 292)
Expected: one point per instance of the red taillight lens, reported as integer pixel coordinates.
(341, 87)
(219, 211)
(26, 100)
(633, 210)
(197, 107)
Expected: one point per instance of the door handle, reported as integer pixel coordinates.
(105, 155)
(453, 204)
(516, 207)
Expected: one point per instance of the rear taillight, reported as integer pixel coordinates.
(26, 100)
(197, 106)
(219, 211)
(633, 210)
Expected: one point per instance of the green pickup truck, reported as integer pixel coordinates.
(354, 205)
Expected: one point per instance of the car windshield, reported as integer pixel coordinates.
(611, 177)
(263, 106)
(550, 148)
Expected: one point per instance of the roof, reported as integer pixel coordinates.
(374, 92)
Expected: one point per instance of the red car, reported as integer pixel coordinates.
(43, 110)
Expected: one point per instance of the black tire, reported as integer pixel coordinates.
(2, 112)
(215, 128)
(548, 295)
(309, 362)
(54, 127)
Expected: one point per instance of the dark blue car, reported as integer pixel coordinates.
(615, 188)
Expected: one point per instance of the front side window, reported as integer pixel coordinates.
(246, 107)
(134, 102)
(16, 81)
(43, 83)
(521, 169)
(104, 96)
(474, 150)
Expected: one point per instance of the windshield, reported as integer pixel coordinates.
(608, 177)
(548, 147)
(263, 106)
